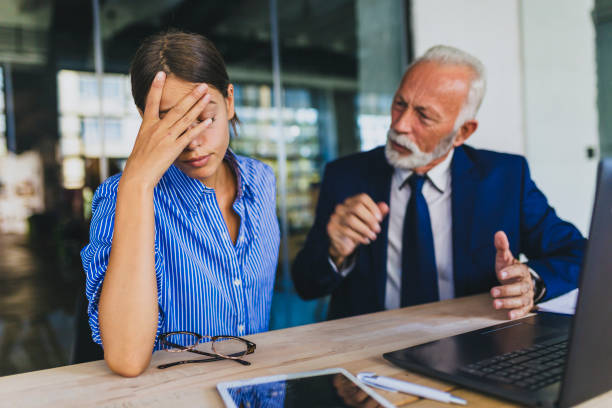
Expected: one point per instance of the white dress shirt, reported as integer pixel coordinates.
(437, 193)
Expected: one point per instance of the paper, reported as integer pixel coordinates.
(565, 304)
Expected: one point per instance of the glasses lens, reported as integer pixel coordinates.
(229, 347)
(181, 341)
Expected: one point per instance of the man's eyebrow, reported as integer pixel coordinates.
(164, 111)
(429, 110)
(432, 112)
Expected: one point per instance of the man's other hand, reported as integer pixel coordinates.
(516, 291)
(355, 221)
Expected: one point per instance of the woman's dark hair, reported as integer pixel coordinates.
(190, 57)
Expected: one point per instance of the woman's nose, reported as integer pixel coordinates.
(195, 143)
(198, 140)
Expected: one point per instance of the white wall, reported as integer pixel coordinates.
(541, 97)
(490, 31)
(561, 102)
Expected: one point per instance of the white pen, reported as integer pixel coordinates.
(391, 384)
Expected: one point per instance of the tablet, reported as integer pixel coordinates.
(333, 387)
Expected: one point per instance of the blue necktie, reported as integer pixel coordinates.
(419, 273)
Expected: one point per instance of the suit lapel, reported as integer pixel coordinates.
(464, 182)
(379, 189)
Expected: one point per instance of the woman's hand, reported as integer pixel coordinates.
(160, 141)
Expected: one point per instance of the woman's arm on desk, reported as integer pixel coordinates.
(128, 302)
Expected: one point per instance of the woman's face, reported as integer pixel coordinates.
(203, 156)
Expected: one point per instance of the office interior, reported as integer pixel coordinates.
(67, 120)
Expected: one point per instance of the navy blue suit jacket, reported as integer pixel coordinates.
(490, 192)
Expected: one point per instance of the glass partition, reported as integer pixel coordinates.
(331, 70)
(42, 226)
(52, 133)
(3, 145)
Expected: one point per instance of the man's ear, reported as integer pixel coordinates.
(465, 131)
(229, 102)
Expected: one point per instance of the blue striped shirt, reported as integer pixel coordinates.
(205, 283)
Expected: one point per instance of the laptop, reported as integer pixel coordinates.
(548, 359)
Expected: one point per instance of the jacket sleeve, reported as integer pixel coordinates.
(313, 275)
(554, 247)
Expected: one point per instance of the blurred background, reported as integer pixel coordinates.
(313, 81)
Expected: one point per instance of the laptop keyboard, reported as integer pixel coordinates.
(531, 368)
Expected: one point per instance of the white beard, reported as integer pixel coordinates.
(417, 158)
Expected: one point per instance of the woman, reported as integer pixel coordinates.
(186, 238)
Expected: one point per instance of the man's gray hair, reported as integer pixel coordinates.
(446, 55)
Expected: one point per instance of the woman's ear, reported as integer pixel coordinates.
(140, 113)
(229, 102)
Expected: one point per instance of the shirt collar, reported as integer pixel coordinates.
(192, 190)
(439, 175)
(243, 179)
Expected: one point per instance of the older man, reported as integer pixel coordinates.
(426, 217)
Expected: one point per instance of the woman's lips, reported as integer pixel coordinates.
(198, 161)
(400, 149)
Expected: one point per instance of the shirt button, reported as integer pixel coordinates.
(237, 282)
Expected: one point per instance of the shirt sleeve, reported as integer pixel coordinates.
(95, 256)
(347, 266)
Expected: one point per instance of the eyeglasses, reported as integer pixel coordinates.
(216, 347)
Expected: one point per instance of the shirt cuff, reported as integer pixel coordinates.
(346, 267)
(539, 288)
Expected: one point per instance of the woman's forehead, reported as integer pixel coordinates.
(175, 89)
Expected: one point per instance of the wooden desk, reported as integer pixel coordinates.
(356, 344)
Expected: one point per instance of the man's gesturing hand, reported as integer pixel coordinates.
(516, 291)
(355, 221)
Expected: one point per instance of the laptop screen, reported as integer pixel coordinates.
(588, 369)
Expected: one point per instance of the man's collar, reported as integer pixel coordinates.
(439, 175)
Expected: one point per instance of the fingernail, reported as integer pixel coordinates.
(504, 274)
(496, 292)
(498, 304)
(159, 76)
(201, 88)
(207, 122)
